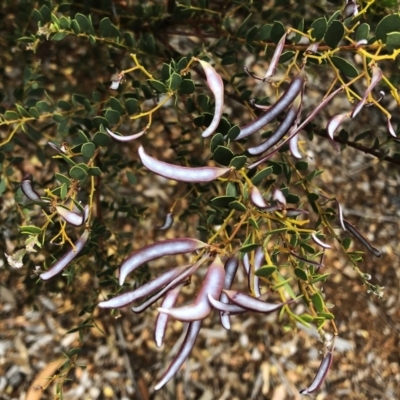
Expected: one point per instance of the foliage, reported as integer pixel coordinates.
(117, 68)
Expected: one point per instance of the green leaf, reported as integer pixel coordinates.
(264, 32)
(247, 248)
(11, 115)
(112, 117)
(301, 274)
(59, 36)
(266, 270)
(30, 230)
(238, 206)
(222, 201)
(277, 31)
(238, 162)
(300, 28)
(158, 86)
(187, 87)
(42, 106)
(222, 155)
(88, 149)
(63, 191)
(301, 165)
(243, 27)
(251, 34)
(65, 23)
(116, 105)
(94, 171)
(131, 106)
(261, 175)
(334, 34)
(62, 178)
(174, 81)
(75, 27)
(388, 24)
(64, 105)
(101, 139)
(106, 27)
(346, 242)
(37, 16)
(362, 32)
(34, 112)
(318, 302)
(46, 13)
(253, 223)
(393, 41)
(233, 132)
(84, 23)
(216, 140)
(345, 67)
(319, 27)
(78, 172)
(3, 186)
(131, 177)
(286, 56)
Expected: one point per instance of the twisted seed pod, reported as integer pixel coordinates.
(320, 242)
(178, 173)
(275, 58)
(127, 138)
(66, 258)
(169, 220)
(231, 267)
(321, 374)
(216, 85)
(71, 217)
(28, 190)
(256, 198)
(213, 284)
(157, 250)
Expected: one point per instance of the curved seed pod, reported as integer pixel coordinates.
(169, 220)
(179, 279)
(216, 85)
(317, 264)
(321, 374)
(231, 266)
(147, 289)
(273, 208)
(280, 131)
(275, 58)
(162, 319)
(279, 197)
(246, 69)
(56, 148)
(127, 138)
(390, 128)
(71, 217)
(157, 250)
(213, 284)
(299, 128)
(375, 78)
(333, 124)
(283, 102)
(293, 146)
(256, 198)
(295, 212)
(260, 106)
(340, 215)
(252, 303)
(259, 260)
(178, 173)
(320, 242)
(86, 213)
(225, 308)
(350, 10)
(246, 263)
(28, 190)
(361, 43)
(66, 258)
(356, 233)
(312, 48)
(183, 353)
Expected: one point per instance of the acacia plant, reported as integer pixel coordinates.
(204, 105)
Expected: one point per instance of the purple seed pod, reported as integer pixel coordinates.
(224, 307)
(157, 250)
(147, 289)
(332, 125)
(216, 85)
(127, 138)
(256, 198)
(28, 190)
(320, 242)
(213, 284)
(340, 215)
(246, 263)
(295, 212)
(312, 48)
(293, 147)
(321, 374)
(86, 213)
(275, 58)
(283, 102)
(375, 79)
(260, 106)
(231, 266)
(350, 10)
(183, 353)
(71, 217)
(252, 303)
(306, 260)
(390, 128)
(178, 280)
(259, 260)
(279, 197)
(169, 220)
(246, 69)
(178, 173)
(66, 258)
(356, 233)
(162, 319)
(280, 131)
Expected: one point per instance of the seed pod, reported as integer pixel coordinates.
(375, 79)
(216, 85)
(350, 10)
(259, 260)
(390, 128)
(56, 148)
(213, 284)
(252, 303)
(127, 138)
(279, 196)
(183, 353)
(224, 307)
(356, 233)
(66, 258)
(321, 374)
(157, 250)
(320, 242)
(28, 190)
(332, 125)
(295, 212)
(293, 147)
(275, 58)
(147, 289)
(317, 264)
(340, 215)
(162, 319)
(231, 266)
(283, 102)
(169, 220)
(71, 217)
(178, 173)
(280, 131)
(256, 198)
